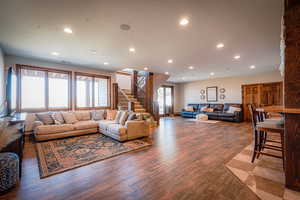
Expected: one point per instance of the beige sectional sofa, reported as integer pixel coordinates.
(56, 125)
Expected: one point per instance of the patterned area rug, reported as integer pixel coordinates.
(57, 156)
(265, 177)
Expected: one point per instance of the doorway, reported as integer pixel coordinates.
(165, 100)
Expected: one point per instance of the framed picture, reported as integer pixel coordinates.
(222, 90)
(212, 94)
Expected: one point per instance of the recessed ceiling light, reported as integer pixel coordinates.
(146, 68)
(170, 61)
(68, 30)
(55, 53)
(131, 49)
(184, 22)
(237, 57)
(106, 63)
(166, 73)
(212, 73)
(191, 67)
(220, 45)
(252, 67)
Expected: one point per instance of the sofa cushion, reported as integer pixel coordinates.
(189, 109)
(117, 129)
(46, 118)
(226, 114)
(227, 105)
(83, 115)
(123, 118)
(103, 124)
(58, 118)
(213, 114)
(98, 115)
(69, 117)
(202, 107)
(195, 106)
(209, 110)
(50, 129)
(131, 116)
(118, 116)
(217, 107)
(85, 125)
(111, 114)
(233, 109)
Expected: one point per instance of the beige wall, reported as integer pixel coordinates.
(190, 92)
(2, 82)
(11, 60)
(124, 81)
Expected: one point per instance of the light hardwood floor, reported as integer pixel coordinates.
(186, 161)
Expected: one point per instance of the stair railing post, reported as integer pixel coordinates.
(134, 83)
(115, 96)
(131, 106)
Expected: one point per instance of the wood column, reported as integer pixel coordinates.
(134, 83)
(115, 93)
(292, 93)
(149, 93)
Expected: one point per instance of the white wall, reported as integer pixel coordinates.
(11, 60)
(124, 81)
(190, 92)
(2, 82)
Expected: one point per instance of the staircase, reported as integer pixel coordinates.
(126, 96)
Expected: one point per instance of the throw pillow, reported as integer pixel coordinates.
(46, 118)
(208, 110)
(131, 116)
(233, 109)
(69, 117)
(111, 114)
(83, 115)
(58, 118)
(189, 109)
(98, 115)
(123, 118)
(203, 108)
(118, 116)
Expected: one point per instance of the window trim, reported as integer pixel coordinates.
(19, 67)
(93, 76)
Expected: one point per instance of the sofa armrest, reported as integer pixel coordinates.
(136, 129)
(238, 115)
(36, 124)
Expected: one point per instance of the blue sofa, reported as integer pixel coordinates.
(218, 114)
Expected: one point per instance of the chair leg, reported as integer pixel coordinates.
(260, 142)
(282, 146)
(255, 149)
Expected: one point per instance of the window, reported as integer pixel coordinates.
(58, 90)
(84, 91)
(92, 91)
(101, 92)
(43, 89)
(33, 89)
(14, 92)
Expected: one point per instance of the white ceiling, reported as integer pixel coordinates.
(251, 28)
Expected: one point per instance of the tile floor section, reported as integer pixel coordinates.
(264, 177)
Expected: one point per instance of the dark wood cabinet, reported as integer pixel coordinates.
(262, 94)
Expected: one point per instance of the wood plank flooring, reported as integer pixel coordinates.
(186, 161)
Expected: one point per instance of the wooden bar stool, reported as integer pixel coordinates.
(261, 126)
